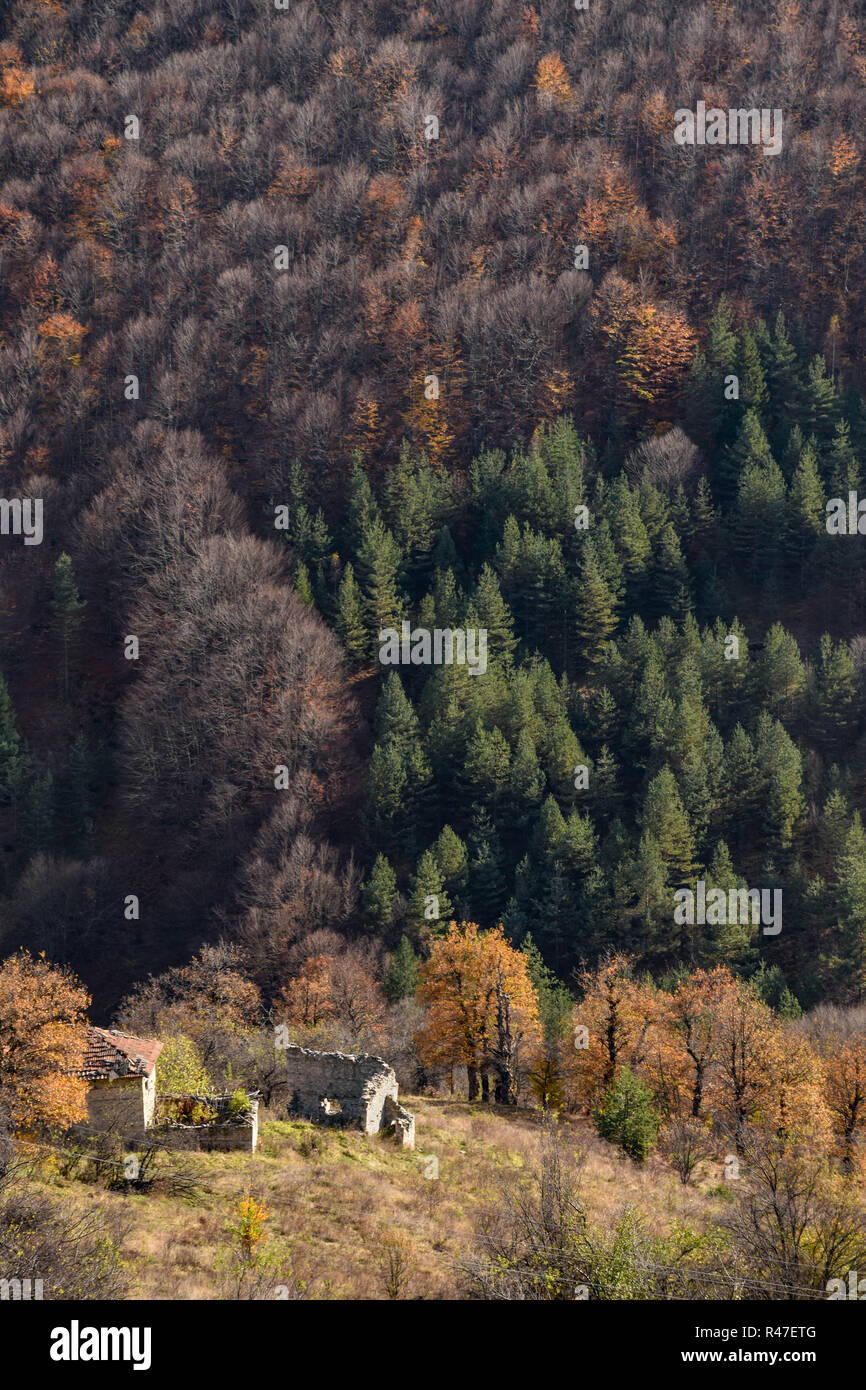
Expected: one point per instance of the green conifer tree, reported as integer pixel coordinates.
(349, 621)
(67, 608)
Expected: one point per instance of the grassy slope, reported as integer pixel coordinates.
(334, 1194)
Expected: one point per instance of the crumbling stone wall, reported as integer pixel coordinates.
(341, 1089)
(403, 1121)
(120, 1105)
(216, 1136)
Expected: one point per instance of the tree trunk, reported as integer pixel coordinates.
(506, 1080)
(472, 1072)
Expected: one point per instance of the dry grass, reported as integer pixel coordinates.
(348, 1207)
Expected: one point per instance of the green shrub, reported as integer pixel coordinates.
(180, 1070)
(240, 1103)
(626, 1115)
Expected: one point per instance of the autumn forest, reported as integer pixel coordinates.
(320, 322)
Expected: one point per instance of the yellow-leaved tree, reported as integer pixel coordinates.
(482, 1009)
(43, 1038)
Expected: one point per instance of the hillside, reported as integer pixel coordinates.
(339, 1204)
(433, 627)
(313, 325)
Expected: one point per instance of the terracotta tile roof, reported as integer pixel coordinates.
(111, 1054)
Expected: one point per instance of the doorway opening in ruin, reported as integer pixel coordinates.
(331, 1106)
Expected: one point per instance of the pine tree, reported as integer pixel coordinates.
(38, 811)
(793, 449)
(760, 517)
(669, 579)
(753, 386)
(387, 795)
(722, 361)
(398, 784)
(493, 614)
(652, 711)
(395, 721)
(604, 786)
(378, 562)
(67, 607)
(843, 470)
(703, 511)
(750, 450)
(401, 980)
(782, 380)
(779, 769)
(445, 555)
(486, 871)
(833, 829)
(361, 508)
(665, 819)
(728, 943)
(487, 766)
(630, 537)
(740, 790)
(303, 587)
(561, 754)
(447, 737)
(450, 854)
(447, 600)
(349, 621)
(851, 899)
(412, 530)
(643, 901)
(700, 406)
(595, 612)
(308, 536)
(525, 783)
(779, 675)
(832, 699)
(806, 511)
(429, 904)
(379, 896)
(555, 1006)
(818, 407)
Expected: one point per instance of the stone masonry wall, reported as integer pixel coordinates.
(360, 1085)
(118, 1105)
(209, 1137)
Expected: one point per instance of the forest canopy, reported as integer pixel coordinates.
(321, 319)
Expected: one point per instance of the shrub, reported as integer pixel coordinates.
(626, 1115)
(180, 1069)
(188, 1110)
(240, 1103)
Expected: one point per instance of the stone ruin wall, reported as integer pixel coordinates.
(364, 1087)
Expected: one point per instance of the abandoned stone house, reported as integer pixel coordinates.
(332, 1088)
(121, 1070)
(337, 1088)
(121, 1097)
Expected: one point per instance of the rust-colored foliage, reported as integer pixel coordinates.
(552, 81)
(43, 1038)
(459, 989)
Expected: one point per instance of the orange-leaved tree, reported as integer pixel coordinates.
(552, 81)
(613, 1026)
(337, 993)
(482, 1008)
(845, 1091)
(687, 1059)
(43, 1038)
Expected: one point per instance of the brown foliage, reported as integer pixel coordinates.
(43, 1037)
(459, 989)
